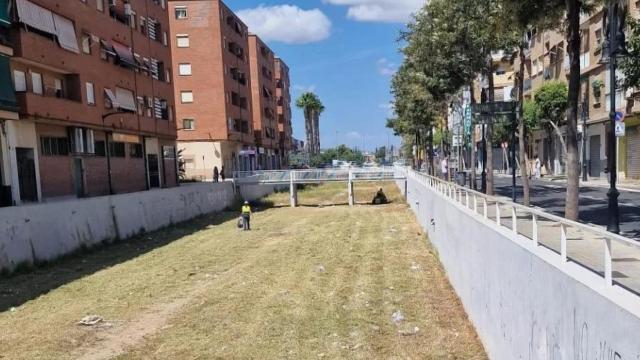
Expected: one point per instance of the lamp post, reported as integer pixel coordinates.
(584, 114)
(614, 47)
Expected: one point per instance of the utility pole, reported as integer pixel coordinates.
(584, 114)
(613, 48)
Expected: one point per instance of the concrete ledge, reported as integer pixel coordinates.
(44, 232)
(524, 302)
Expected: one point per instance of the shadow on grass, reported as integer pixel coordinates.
(28, 284)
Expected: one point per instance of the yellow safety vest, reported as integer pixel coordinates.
(246, 209)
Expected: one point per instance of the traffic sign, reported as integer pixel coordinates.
(620, 129)
(494, 108)
(619, 116)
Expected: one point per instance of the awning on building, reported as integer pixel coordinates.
(124, 54)
(107, 47)
(125, 99)
(7, 94)
(66, 33)
(112, 98)
(36, 16)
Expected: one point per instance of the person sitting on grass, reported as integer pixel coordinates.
(380, 198)
(246, 216)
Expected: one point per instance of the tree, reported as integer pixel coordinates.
(521, 16)
(341, 152)
(381, 154)
(630, 65)
(312, 107)
(551, 102)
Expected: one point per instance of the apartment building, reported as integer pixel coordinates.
(263, 99)
(92, 83)
(546, 60)
(283, 96)
(8, 111)
(210, 49)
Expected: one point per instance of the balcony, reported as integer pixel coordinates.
(56, 108)
(43, 50)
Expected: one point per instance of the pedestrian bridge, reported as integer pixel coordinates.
(316, 176)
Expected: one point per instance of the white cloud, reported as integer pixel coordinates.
(380, 10)
(287, 23)
(386, 68)
(304, 89)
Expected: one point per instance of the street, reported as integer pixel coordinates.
(593, 202)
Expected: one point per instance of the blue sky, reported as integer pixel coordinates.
(343, 50)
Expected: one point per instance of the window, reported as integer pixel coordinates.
(19, 80)
(181, 12)
(86, 43)
(100, 5)
(182, 40)
(132, 19)
(143, 25)
(54, 146)
(91, 96)
(36, 83)
(186, 96)
(188, 124)
(140, 105)
(184, 69)
(116, 149)
(135, 150)
(58, 88)
(99, 148)
(164, 38)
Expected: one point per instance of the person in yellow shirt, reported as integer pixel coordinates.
(246, 216)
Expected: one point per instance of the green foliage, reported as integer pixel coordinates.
(341, 152)
(630, 66)
(310, 101)
(381, 153)
(551, 101)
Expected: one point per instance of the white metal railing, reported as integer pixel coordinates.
(317, 175)
(480, 203)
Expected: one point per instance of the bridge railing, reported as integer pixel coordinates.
(315, 175)
(572, 241)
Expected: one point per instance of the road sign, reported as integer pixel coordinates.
(456, 140)
(620, 129)
(619, 116)
(494, 108)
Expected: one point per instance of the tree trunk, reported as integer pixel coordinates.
(524, 164)
(316, 129)
(489, 160)
(571, 210)
(309, 130)
(473, 144)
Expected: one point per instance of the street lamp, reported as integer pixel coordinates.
(614, 47)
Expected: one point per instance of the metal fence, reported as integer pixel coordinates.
(316, 175)
(615, 258)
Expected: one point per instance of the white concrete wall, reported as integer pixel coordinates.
(524, 302)
(42, 232)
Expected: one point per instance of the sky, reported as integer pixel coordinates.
(346, 51)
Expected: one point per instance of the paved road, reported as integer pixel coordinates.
(593, 202)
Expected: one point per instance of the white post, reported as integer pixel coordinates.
(497, 213)
(534, 219)
(293, 190)
(514, 220)
(486, 207)
(608, 268)
(475, 203)
(466, 193)
(350, 185)
(563, 242)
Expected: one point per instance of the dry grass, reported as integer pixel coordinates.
(306, 283)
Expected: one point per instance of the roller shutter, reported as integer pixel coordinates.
(633, 152)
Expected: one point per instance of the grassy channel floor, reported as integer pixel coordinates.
(320, 281)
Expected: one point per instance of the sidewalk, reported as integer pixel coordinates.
(625, 185)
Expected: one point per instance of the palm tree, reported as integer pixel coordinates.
(312, 107)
